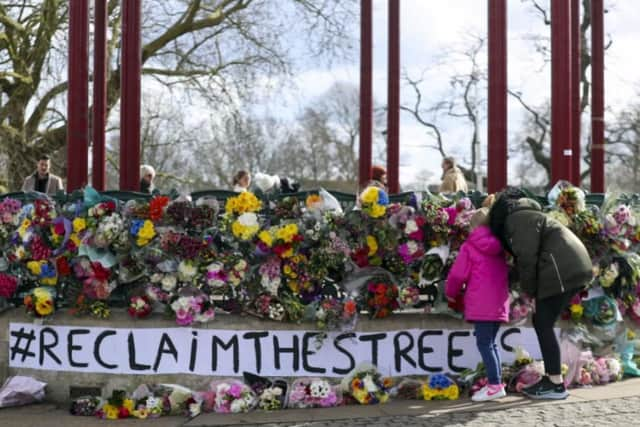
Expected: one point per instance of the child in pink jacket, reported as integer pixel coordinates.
(482, 267)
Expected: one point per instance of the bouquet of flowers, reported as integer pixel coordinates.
(9, 218)
(40, 302)
(367, 386)
(381, 299)
(233, 397)
(527, 376)
(313, 393)
(440, 387)
(520, 308)
(437, 228)
(118, 406)
(374, 202)
(191, 306)
(242, 203)
(620, 223)
(331, 313)
(139, 306)
(8, 285)
(85, 406)
(410, 389)
(270, 307)
(271, 394)
(567, 198)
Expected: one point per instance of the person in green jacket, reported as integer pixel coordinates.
(553, 265)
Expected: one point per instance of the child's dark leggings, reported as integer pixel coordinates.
(548, 311)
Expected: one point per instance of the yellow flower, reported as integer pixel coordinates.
(384, 397)
(576, 310)
(376, 211)
(127, 404)
(147, 231)
(244, 202)
(141, 413)
(244, 232)
(79, 224)
(35, 267)
(23, 227)
(49, 281)
(75, 239)
(266, 238)
(44, 307)
(287, 232)
(288, 253)
(372, 243)
(111, 411)
(370, 195)
(294, 286)
(20, 253)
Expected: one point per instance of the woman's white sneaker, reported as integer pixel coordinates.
(488, 392)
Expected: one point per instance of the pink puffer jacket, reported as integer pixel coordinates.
(481, 265)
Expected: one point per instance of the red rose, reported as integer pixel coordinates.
(99, 272)
(62, 265)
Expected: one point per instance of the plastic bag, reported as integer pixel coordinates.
(329, 202)
(20, 390)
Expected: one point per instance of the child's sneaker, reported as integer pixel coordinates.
(546, 389)
(489, 392)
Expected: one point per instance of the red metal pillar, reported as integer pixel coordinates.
(497, 109)
(131, 65)
(393, 99)
(597, 97)
(366, 91)
(575, 93)
(78, 95)
(99, 174)
(560, 91)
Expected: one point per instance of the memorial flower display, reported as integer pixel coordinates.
(287, 261)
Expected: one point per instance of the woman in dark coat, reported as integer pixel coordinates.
(553, 265)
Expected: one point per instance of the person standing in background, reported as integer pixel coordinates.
(147, 175)
(42, 180)
(241, 181)
(452, 177)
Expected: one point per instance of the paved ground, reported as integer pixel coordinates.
(613, 405)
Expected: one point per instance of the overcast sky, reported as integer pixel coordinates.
(428, 28)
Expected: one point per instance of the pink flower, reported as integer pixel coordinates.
(184, 317)
(235, 390)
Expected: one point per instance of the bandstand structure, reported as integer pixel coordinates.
(565, 94)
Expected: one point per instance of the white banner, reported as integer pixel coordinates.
(270, 353)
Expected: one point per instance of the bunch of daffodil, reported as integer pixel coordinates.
(243, 203)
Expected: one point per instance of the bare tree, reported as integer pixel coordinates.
(464, 101)
(215, 47)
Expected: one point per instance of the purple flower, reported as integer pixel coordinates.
(235, 390)
(184, 317)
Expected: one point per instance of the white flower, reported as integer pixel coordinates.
(277, 391)
(248, 219)
(156, 277)
(238, 405)
(319, 389)
(410, 226)
(369, 385)
(187, 270)
(412, 247)
(321, 314)
(194, 409)
(153, 402)
(168, 283)
(215, 266)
